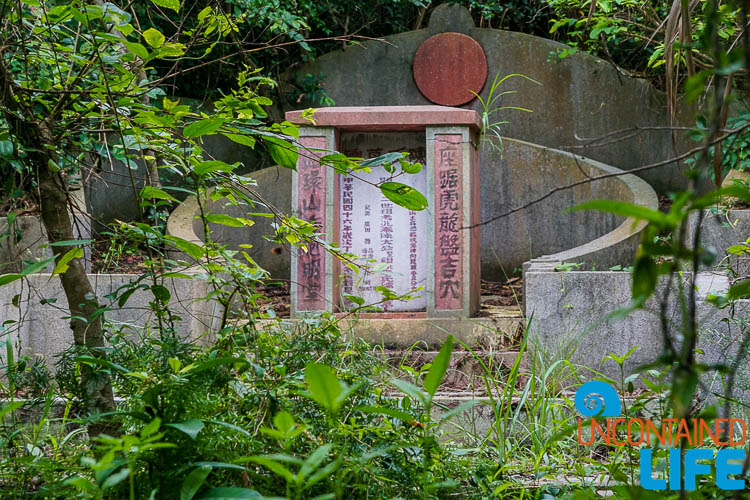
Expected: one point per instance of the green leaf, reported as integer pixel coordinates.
(313, 461)
(283, 152)
(230, 494)
(231, 426)
(91, 360)
(137, 49)
(207, 365)
(439, 367)
(151, 192)
(9, 278)
(161, 293)
(154, 38)
(170, 50)
(325, 388)
(9, 408)
(738, 249)
(168, 4)
(245, 140)
(274, 467)
(466, 405)
(32, 269)
(382, 160)
(70, 243)
(645, 277)
(625, 209)
(194, 481)
(739, 290)
(206, 167)
(64, 263)
(283, 421)
(190, 427)
(116, 478)
(388, 412)
(203, 127)
(410, 390)
(403, 195)
(193, 250)
(228, 220)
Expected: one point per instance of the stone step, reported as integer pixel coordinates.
(465, 373)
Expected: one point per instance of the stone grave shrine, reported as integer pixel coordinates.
(436, 249)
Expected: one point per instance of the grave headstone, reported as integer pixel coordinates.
(436, 249)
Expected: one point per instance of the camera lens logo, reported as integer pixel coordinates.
(597, 399)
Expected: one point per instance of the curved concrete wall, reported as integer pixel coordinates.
(524, 173)
(579, 97)
(274, 190)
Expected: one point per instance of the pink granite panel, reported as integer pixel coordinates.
(311, 196)
(449, 245)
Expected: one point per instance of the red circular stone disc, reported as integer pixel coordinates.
(447, 66)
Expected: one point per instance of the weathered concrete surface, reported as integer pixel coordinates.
(524, 173)
(110, 190)
(570, 320)
(721, 231)
(28, 247)
(27, 239)
(580, 97)
(274, 194)
(39, 329)
(493, 332)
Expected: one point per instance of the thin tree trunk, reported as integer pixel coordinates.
(51, 195)
(88, 330)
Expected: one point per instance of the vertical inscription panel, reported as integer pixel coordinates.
(374, 228)
(449, 245)
(311, 199)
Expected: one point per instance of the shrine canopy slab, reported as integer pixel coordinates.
(391, 118)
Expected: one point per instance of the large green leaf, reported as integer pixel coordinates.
(325, 388)
(168, 4)
(32, 269)
(194, 481)
(275, 467)
(439, 367)
(645, 277)
(203, 127)
(283, 152)
(228, 220)
(410, 390)
(151, 192)
(230, 494)
(190, 427)
(403, 195)
(313, 461)
(64, 263)
(206, 167)
(245, 140)
(382, 160)
(153, 37)
(193, 250)
(739, 290)
(624, 209)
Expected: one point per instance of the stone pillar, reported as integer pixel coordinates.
(314, 199)
(452, 162)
